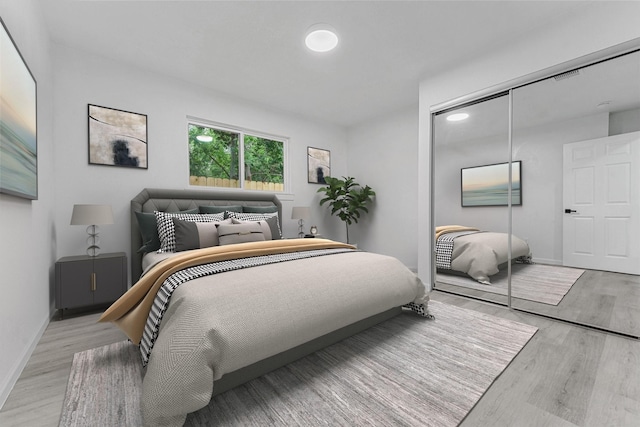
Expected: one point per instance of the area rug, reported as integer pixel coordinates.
(405, 371)
(547, 284)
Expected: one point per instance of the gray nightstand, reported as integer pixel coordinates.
(83, 281)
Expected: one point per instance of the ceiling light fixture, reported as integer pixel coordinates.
(457, 117)
(204, 138)
(321, 38)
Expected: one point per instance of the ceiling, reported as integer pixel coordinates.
(604, 87)
(254, 50)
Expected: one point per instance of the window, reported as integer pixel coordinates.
(220, 157)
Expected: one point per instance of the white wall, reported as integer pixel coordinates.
(570, 37)
(82, 78)
(27, 232)
(382, 154)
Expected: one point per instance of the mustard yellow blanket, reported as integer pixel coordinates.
(130, 311)
(443, 229)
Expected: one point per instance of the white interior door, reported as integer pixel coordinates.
(601, 193)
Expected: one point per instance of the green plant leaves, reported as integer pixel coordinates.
(346, 198)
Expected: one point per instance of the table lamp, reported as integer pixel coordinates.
(92, 215)
(300, 213)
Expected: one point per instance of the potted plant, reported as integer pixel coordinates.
(347, 199)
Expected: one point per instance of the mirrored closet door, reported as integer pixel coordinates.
(578, 136)
(470, 142)
(562, 184)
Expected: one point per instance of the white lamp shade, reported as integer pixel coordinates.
(300, 212)
(91, 215)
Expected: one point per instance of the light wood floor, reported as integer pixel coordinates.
(598, 298)
(565, 376)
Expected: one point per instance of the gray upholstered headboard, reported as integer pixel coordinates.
(174, 200)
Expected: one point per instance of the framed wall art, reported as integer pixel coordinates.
(117, 137)
(489, 185)
(318, 165)
(18, 122)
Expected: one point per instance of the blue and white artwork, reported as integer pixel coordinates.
(18, 129)
(489, 185)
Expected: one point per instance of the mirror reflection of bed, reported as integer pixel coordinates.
(549, 113)
(477, 260)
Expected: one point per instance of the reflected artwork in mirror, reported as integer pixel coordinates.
(488, 185)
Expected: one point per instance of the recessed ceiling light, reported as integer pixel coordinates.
(321, 38)
(457, 117)
(204, 138)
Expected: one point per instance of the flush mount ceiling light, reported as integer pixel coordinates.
(457, 117)
(321, 38)
(204, 138)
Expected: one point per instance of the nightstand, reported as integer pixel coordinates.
(83, 281)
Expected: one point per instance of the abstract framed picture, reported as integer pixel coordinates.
(18, 122)
(489, 185)
(117, 137)
(318, 165)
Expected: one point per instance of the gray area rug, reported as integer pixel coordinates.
(547, 284)
(406, 371)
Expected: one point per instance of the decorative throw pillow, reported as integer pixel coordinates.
(260, 209)
(166, 229)
(196, 235)
(264, 226)
(148, 226)
(270, 218)
(220, 209)
(244, 232)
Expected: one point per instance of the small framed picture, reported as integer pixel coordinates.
(318, 165)
(117, 138)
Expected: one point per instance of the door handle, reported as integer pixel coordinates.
(570, 211)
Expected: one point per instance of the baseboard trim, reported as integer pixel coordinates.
(7, 386)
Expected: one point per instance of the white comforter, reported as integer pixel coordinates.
(480, 254)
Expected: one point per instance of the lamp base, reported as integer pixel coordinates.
(300, 228)
(93, 240)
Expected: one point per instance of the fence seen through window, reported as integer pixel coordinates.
(234, 159)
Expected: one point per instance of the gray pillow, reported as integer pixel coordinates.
(220, 209)
(230, 234)
(260, 209)
(148, 226)
(195, 235)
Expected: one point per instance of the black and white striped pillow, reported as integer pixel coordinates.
(166, 228)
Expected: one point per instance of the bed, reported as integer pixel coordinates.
(210, 318)
(479, 254)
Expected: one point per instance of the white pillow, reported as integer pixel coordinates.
(269, 218)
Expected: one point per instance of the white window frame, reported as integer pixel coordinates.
(242, 132)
